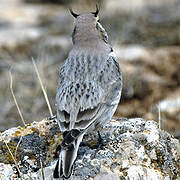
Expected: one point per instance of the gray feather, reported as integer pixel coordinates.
(89, 87)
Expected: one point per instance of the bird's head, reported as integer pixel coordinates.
(87, 28)
(86, 19)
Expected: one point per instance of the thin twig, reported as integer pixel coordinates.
(14, 97)
(42, 87)
(42, 171)
(30, 176)
(12, 156)
(17, 146)
(159, 116)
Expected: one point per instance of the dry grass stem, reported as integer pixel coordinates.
(14, 97)
(12, 156)
(42, 171)
(42, 87)
(17, 146)
(30, 175)
(159, 116)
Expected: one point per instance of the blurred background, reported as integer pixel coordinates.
(145, 36)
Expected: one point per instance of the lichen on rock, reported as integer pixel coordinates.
(131, 149)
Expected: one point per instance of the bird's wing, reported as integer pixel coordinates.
(78, 102)
(75, 110)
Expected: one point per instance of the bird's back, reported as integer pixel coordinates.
(85, 81)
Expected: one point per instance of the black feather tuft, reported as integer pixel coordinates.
(97, 11)
(73, 14)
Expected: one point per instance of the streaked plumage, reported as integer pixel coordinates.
(89, 88)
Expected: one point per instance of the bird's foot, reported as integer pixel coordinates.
(100, 144)
(51, 117)
(100, 140)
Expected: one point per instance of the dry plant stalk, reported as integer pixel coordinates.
(12, 156)
(42, 87)
(17, 146)
(14, 97)
(42, 171)
(159, 116)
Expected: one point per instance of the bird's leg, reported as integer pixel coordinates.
(100, 139)
(58, 149)
(51, 117)
(101, 142)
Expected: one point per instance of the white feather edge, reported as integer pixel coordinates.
(112, 54)
(63, 153)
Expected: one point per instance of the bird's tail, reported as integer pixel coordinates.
(66, 160)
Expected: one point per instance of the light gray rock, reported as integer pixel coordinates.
(132, 149)
(43, 31)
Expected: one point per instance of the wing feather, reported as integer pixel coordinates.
(82, 98)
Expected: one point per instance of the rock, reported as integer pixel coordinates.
(132, 149)
(146, 70)
(131, 52)
(18, 39)
(140, 31)
(170, 106)
(170, 112)
(149, 23)
(50, 1)
(150, 76)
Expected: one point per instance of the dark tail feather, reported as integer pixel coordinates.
(56, 171)
(66, 160)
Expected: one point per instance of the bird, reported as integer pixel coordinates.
(89, 88)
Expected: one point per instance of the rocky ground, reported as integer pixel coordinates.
(132, 149)
(145, 36)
